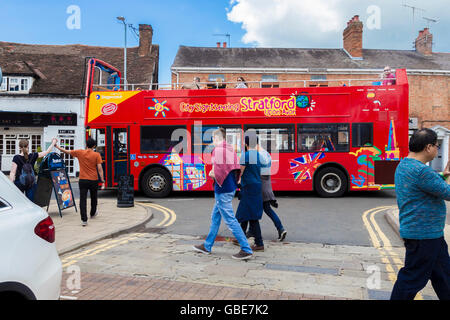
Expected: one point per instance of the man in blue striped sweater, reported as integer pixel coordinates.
(420, 196)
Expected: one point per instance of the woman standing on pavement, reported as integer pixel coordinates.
(250, 207)
(28, 159)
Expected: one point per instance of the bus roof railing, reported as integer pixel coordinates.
(250, 84)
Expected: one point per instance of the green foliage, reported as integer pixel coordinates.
(38, 161)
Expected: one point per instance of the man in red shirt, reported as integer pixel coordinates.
(90, 170)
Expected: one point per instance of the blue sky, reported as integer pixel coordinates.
(251, 23)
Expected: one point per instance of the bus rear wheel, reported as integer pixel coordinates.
(156, 183)
(330, 182)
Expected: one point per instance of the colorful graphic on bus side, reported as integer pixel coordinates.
(303, 167)
(188, 172)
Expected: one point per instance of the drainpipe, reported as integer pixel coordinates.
(178, 77)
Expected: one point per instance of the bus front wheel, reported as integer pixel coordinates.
(330, 182)
(156, 183)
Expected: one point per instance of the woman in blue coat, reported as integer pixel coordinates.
(250, 207)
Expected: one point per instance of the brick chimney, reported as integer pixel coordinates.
(145, 39)
(353, 38)
(424, 42)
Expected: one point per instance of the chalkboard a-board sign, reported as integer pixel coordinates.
(125, 192)
(53, 176)
(63, 191)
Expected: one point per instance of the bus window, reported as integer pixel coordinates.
(202, 141)
(274, 138)
(99, 136)
(362, 135)
(332, 137)
(163, 139)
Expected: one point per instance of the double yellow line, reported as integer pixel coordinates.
(72, 259)
(169, 219)
(169, 214)
(383, 245)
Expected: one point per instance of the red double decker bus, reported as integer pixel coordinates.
(328, 139)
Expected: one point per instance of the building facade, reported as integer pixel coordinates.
(42, 92)
(428, 73)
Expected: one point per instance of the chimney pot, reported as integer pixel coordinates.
(424, 42)
(218, 44)
(224, 44)
(352, 37)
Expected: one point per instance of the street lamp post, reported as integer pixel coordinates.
(124, 53)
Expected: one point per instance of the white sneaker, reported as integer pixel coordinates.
(84, 223)
(95, 214)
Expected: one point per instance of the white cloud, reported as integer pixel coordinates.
(286, 22)
(320, 23)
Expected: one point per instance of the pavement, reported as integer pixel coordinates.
(392, 218)
(110, 222)
(285, 270)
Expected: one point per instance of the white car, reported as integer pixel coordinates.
(30, 267)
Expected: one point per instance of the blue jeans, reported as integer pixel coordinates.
(29, 193)
(272, 215)
(223, 208)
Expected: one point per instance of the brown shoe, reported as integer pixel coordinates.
(242, 255)
(201, 248)
(257, 248)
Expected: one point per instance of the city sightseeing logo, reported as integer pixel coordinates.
(109, 109)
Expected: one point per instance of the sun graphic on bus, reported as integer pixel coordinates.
(159, 107)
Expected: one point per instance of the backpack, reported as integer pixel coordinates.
(27, 177)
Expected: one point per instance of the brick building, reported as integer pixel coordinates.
(428, 72)
(42, 94)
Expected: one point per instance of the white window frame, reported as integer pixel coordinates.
(216, 77)
(35, 142)
(10, 146)
(4, 85)
(23, 84)
(269, 78)
(16, 84)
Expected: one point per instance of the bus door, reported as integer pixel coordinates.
(117, 154)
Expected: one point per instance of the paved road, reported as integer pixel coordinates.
(307, 217)
(331, 246)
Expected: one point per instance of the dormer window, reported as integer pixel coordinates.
(16, 84)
